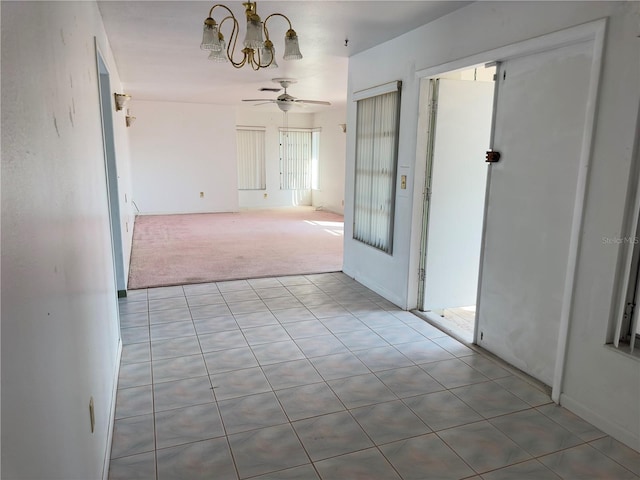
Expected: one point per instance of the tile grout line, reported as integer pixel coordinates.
(357, 314)
(212, 388)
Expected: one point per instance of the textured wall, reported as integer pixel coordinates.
(60, 333)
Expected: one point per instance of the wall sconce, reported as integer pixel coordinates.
(343, 126)
(129, 119)
(122, 100)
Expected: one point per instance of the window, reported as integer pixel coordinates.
(296, 152)
(251, 157)
(376, 162)
(626, 331)
(315, 160)
(627, 328)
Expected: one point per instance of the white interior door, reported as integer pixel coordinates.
(458, 186)
(539, 127)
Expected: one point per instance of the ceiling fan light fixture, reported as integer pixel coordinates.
(291, 47)
(285, 102)
(285, 106)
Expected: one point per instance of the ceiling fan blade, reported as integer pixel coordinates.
(258, 100)
(263, 103)
(315, 102)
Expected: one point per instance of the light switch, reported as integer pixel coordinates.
(403, 182)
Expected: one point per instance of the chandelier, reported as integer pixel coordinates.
(258, 51)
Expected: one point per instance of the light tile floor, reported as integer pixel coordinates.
(317, 377)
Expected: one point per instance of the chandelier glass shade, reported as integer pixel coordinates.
(258, 51)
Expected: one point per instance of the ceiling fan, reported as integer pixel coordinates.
(284, 100)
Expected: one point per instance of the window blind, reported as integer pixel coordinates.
(376, 163)
(251, 159)
(295, 159)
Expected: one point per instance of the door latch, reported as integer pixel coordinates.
(492, 156)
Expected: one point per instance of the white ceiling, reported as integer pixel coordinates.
(156, 45)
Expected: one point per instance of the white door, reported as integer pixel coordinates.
(458, 186)
(539, 127)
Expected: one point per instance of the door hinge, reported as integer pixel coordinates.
(504, 75)
(421, 274)
(433, 107)
(628, 310)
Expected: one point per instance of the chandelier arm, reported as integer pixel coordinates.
(220, 5)
(241, 64)
(277, 15)
(231, 46)
(255, 66)
(255, 60)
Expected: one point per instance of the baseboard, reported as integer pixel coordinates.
(330, 209)
(379, 289)
(616, 431)
(112, 413)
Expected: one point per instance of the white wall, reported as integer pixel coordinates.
(179, 150)
(600, 384)
(60, 334)
(258, 116)
(330, 194)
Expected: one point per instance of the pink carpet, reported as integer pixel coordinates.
(208, 247)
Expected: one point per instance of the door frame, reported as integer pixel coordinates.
(431, 84)
(111, 171)
(592, 31)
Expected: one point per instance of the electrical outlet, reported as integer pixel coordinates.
(92, 415)
(201, 194)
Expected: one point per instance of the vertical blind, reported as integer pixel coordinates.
(295, 159)
(376, 160)
(251, 153)
(315, 160)
(627, 328)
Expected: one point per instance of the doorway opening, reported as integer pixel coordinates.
(459, 134)
(111, 170)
